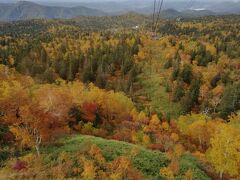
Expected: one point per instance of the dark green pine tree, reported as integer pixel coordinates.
(187, 74)
(43, 56)
(71, 74)
(194, 90)
(230, 101)
(179, 91)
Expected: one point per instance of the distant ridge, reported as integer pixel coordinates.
(172, 13)
(227, 7)
(146, 6)
(23, 10)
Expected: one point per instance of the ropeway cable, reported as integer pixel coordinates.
(159, 9)
(154, 12)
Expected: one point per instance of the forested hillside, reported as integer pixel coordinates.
(167, 107)
(23, 10)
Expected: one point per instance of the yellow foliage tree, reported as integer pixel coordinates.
(174, 137)
(146, 140)
(155, 122)
(96, 153)
(185, 121)
(234, 120)
(188, 175)
(167, 173)
(165, 126)
(224, 152)
(89, 172)
(197, 130)
(22, 136)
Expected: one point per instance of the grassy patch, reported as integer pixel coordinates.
(160, 101)
(189, 162)
(153, 80)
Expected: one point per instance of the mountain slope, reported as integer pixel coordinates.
(172, 13)
(146, 6)
(226, 7)
(197, 13)
(147, 161)
(28, 10)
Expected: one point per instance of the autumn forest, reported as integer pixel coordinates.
(102, 98)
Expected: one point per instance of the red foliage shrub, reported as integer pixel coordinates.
(89, 110)
(238, 66)
(90, 107)
(123, 135)
(19, 165)
(7, 138)
(130, 125)
(173, 124)
(158, 147)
